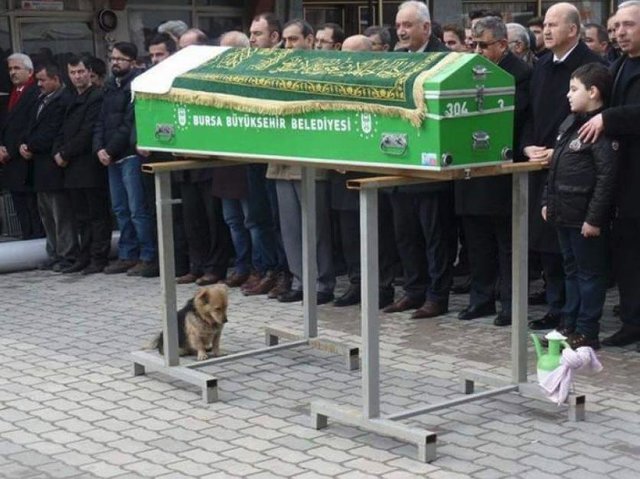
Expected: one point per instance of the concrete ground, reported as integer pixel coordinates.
(71, 408)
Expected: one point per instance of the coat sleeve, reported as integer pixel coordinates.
(77, 145)
(621, 120)
(98, 131)
(605, 156)
(120, 141)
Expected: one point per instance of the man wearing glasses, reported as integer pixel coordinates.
(485, 203)
(329, 37)
(115, 148)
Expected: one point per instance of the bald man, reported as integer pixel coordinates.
(549, 107)
(357, 43)
(234, 39)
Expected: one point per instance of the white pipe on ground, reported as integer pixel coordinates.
(21, 255)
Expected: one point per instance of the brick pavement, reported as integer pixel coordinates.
(70, 407)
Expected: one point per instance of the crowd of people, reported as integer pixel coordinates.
(70, 161)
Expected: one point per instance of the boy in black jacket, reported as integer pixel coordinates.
(577, 200)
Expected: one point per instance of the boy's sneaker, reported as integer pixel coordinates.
(120, 266)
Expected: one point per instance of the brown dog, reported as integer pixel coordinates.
(200, 323)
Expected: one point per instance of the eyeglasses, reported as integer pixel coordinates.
(119, 60)
(482, 45)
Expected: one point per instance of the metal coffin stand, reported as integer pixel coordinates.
(370, 419)
(188, 372)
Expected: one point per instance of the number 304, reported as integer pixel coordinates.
(456, 109)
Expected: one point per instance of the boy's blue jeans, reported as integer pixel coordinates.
(585, 267)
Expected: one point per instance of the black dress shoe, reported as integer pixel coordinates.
(93, 268)
(403, 304)
(537, 298)
(548, 321)
(502, 320)
(473, 311)
(75, 267)
(627, 334)
(385, 298)
(350, 297)
(324, 298)
(290, 296)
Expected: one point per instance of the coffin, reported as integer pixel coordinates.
(407, 111)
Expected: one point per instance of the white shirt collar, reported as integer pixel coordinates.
(564, 57)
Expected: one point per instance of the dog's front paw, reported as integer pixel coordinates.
(202, 355)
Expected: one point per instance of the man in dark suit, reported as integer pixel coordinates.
(485, 203)
(621, 121)
(16, 173)
(85, 179)
(423, 214)
(549, 107)
(48, 171)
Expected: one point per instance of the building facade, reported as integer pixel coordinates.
(63, 26)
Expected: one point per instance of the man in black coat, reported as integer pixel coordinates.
(423, 214)
(621, 121)
(17, 174)
(84, 177)
(549, 108)
(485, 203)
(48, 172)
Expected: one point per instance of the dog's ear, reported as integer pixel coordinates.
(202, 295)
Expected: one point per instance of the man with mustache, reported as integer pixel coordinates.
(423, 214)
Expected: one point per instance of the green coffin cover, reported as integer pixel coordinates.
(281, 82)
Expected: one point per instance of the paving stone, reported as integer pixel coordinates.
(31, 458)
(103, 469)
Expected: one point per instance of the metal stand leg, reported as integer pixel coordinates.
(369, 314)
(520, 279)
(167, 268)
(309, 253)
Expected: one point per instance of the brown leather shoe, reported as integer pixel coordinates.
(266, 284)
(186, 278)
(283, 284)
(429, 309)
(236, 279)
(403, 304)
(207, 279)
(252, 280)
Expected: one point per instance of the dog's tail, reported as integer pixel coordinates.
(156, 343)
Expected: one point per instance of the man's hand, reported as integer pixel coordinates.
(24, 152)
(144, 153)
(538, 153)
(591, 130)
(104, 157)
(61, 162)
(589, 231)
(544, 213)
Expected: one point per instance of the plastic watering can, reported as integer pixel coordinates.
(549, 360)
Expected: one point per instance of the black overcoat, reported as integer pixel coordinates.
(17, 174)
(74, 141)
(42, 132)
(621, 122)
(549, 108)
